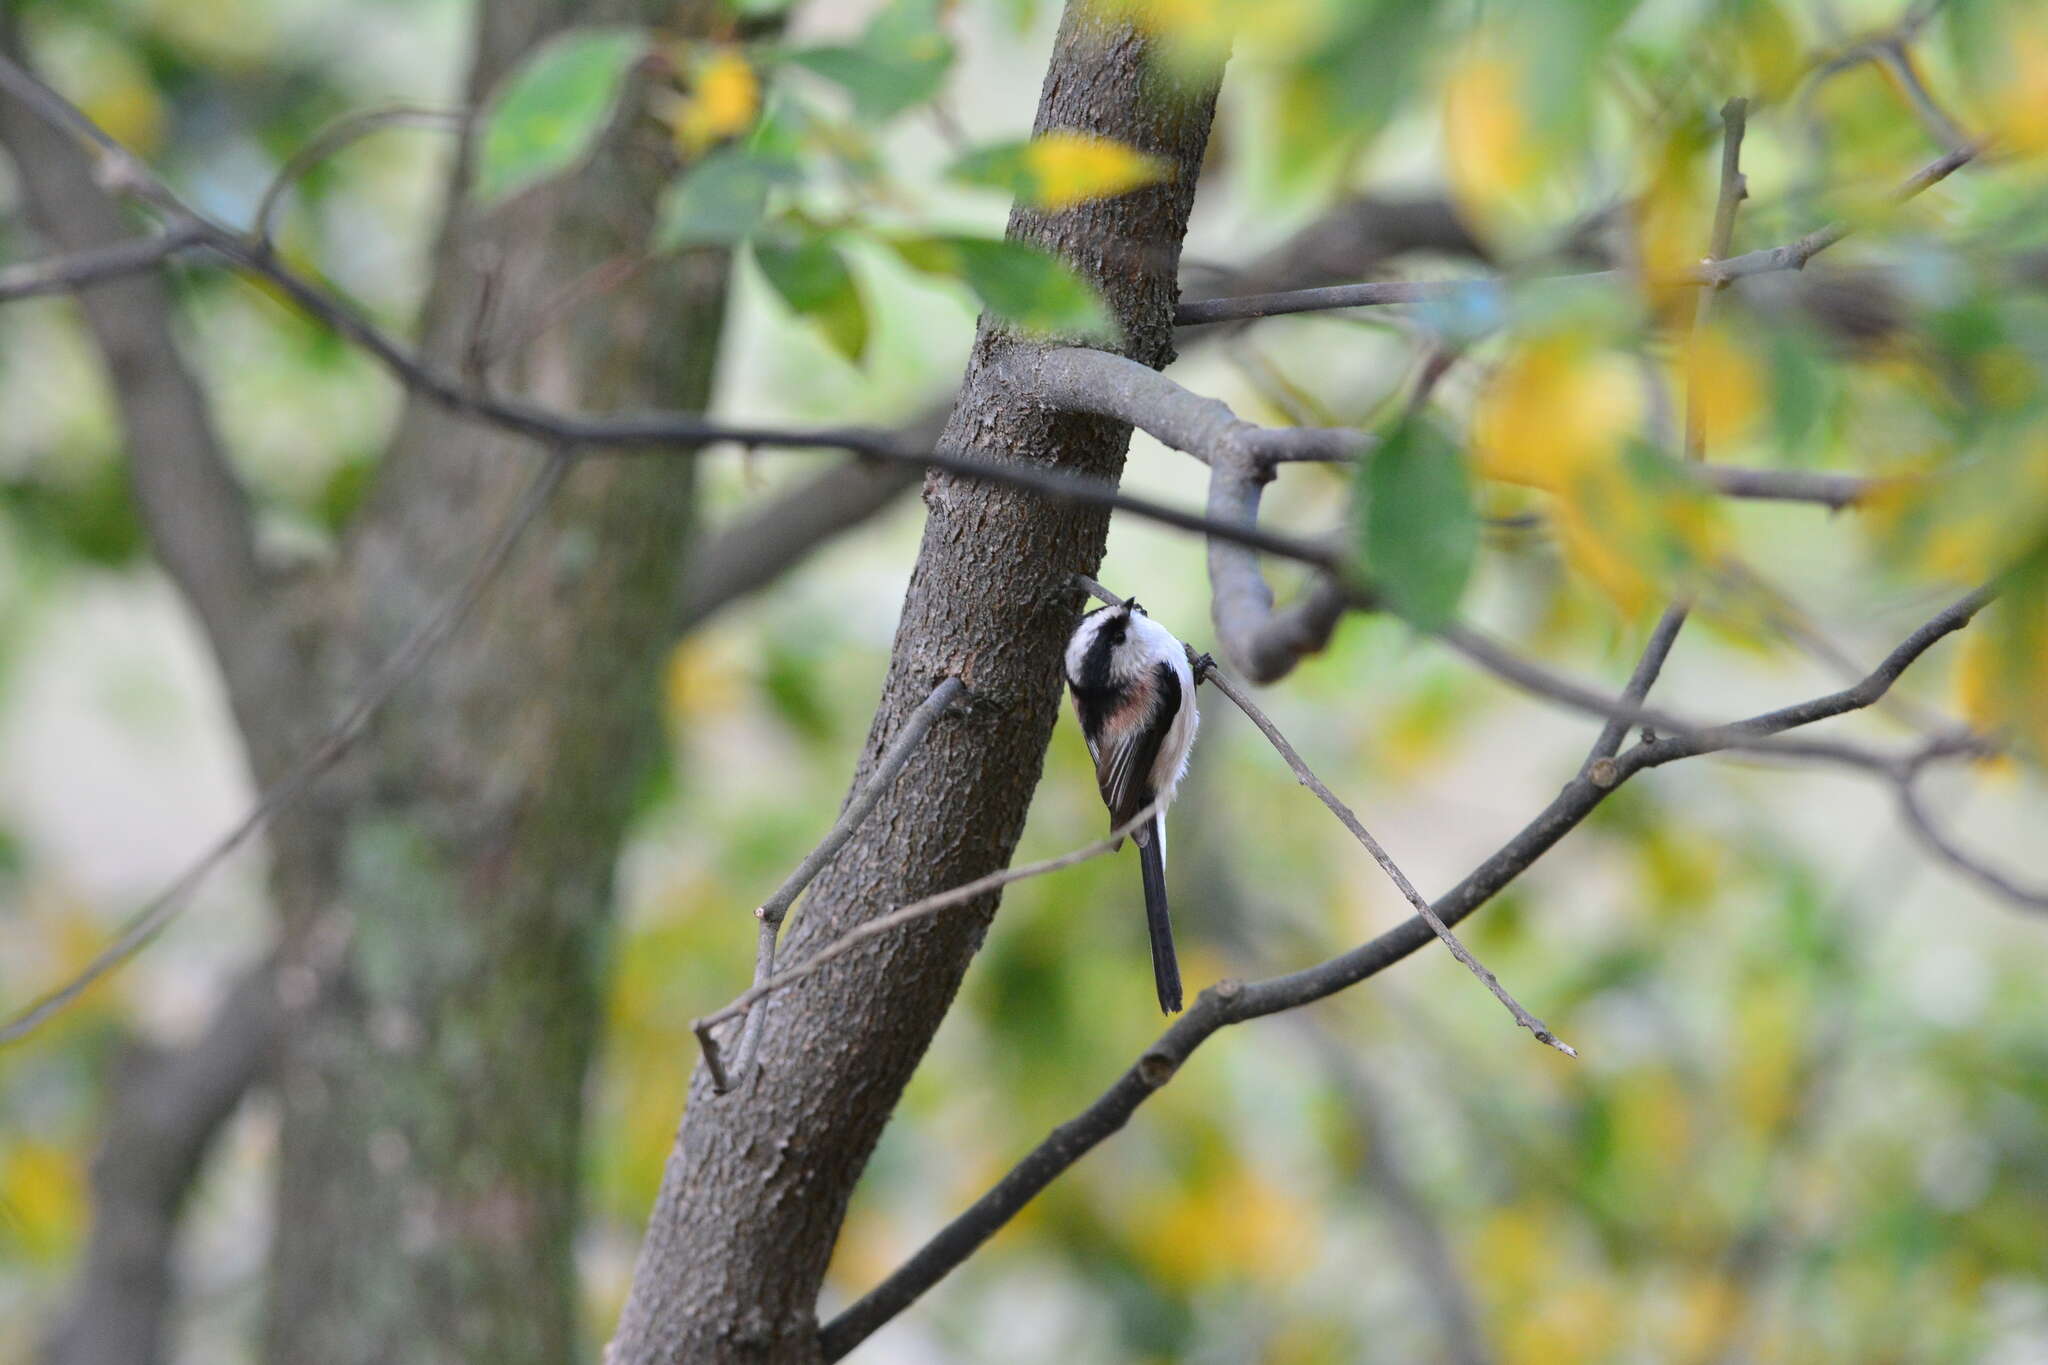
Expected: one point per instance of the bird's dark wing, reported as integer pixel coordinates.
(1124, 770)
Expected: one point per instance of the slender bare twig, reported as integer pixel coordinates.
(1921, 822)
(1753, 736)
(78, 269)
(1308, 779)
(1734, 189)
(1897, 61)
(1792, 255)
(1648, 666)
(896, 919)
(348, 129)
(772, 911)
(1234, 1002)
(405, 661)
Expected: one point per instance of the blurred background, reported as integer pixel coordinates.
(1810, 1116)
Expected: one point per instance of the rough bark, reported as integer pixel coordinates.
(462, 857)
(756, 1187)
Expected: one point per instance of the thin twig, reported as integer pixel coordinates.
(917, 910)
(772, 911)
(1734, 189)
(1379, 854)
(1922, 824)
(78, 269)
(405, 661)
(348, 129)
(1655, 652)
(1791, 256)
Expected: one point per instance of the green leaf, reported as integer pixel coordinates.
(1020, 284)
(998, 166)
(815, 281)
(547, 112)
(1799, 391)
(900, 62)
(1421, 530)
(720, 200)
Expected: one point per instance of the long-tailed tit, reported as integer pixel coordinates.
(1135, 695)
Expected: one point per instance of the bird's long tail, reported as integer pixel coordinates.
(1165, 967)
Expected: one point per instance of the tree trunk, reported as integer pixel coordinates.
(758, 1182)
(457, 869)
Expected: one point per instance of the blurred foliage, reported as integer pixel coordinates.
(1811, 1120)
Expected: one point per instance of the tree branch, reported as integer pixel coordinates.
(343, 132)
(1241, 457)
(1791, 256)
(164, 1111)
(184, 487)
(777, 906)
(1537, 1028)
(91, 265)
(1234, 1002)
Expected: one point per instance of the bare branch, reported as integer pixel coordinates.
(343, 132)
(405, 661)
(1241, 456)
(917, 910)
(1922, 823)
(184, 487)
(1648, 666)
(1734, 189)
(1307, 778)
(777, 906)
(1234, 1002)
(684, 433)
(164, 1110)
(1791, 256)
(77, 269)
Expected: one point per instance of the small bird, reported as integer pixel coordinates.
(1135, 695)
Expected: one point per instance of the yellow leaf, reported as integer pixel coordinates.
(1069, 167)
(1486, 137)
(42, 1199)
(1551, 409)
(2001, 680)
(112, 86)
(1769, 50)
(1673, 218)
(1578, 1322)
(724, 100)
(1237, 1224)
(1723, 386)
(1204, 30)
(2018, 103)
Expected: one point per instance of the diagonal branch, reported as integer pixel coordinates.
(1242, 457)
(164, 1111)
(773, 910)
(74, 270)
(1234, 1002)
(1537, 1028)
(400, 667)
(1792, 255)
(185, 490)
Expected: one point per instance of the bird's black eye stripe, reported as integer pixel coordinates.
(1094, 671)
